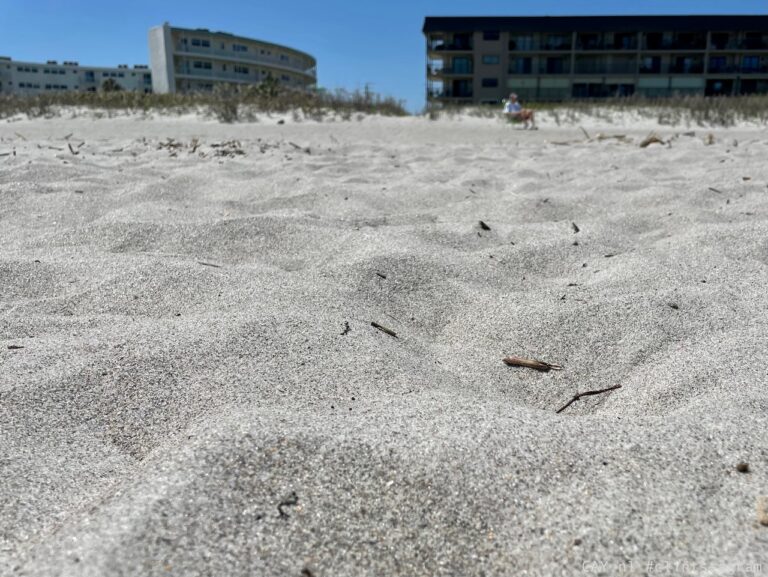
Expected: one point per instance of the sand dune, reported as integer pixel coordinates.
(191, 384)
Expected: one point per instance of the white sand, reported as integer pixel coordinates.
(161, 409)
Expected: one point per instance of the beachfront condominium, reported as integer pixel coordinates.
(477, 60)
(31, 78)
(194, 60)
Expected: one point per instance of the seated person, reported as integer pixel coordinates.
(517, 113)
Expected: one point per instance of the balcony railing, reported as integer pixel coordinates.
(249, 57)
(451, 71)
(450, 94)
(453, 47)
(517, 46)
(553, 69)
(612, 68)
(733, 69)
(686, 69)
(674, 45)
(216, 74)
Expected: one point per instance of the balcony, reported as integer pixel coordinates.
(696, 68)
(523, 44)
(440, 94)
(674, 45)
(450, 71)
(248, 57)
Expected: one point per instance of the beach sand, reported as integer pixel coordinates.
(190, 383)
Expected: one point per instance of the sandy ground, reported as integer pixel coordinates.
(190, 383)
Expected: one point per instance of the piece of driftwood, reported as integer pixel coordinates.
(651, 139)
(577, 396)
(484, 226)
(390, 332)
(514, 361)
(72, 150)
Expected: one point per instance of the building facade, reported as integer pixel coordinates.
(482, 59)
(186, 60)
(17, 77)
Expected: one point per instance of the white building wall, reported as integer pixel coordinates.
(161, 59)
(38, 78)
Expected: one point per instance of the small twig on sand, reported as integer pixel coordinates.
(484, 226)
(381, 275)
(72, 150)
(715, 190)
(346, 328)
(577, 396)
(531, 364)
(7, 153)
(390, 332)
(20, 136)
(575, 227)
(585, 133)
(68, 136)
(209, 264)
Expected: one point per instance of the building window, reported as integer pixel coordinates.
(491, 35)
(196, 42)
(285, 78)
(490, 82)
(241, 69)
(239, 48)
(491, 59)
(750, 64)
(201, 65)
(206, 43)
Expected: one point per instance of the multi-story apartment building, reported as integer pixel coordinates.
(185, 60)
(18, 77)
(482, 59)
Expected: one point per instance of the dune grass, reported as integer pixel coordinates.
(673, 111)
(227, 103)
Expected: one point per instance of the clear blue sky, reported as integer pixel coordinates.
(355, 41)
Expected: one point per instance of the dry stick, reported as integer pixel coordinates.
(484, 226)
(390, 332)
(531, 364)
(209, 264)
(577, 396)
(715, 190)
(585, 133)
(20, 136)
(72, 150)
(5, 153)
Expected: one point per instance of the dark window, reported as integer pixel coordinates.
(491, 59)
(241, 69)
(490, 82)
(239, 48)
(195, 42)
(491, 35)
(206, 43)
